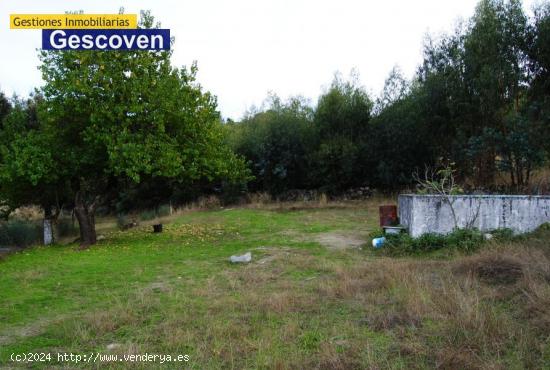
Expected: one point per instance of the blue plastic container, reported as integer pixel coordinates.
(378, 242)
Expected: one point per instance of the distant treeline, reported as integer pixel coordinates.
(480, 99)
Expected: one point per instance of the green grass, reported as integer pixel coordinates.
(299, 304)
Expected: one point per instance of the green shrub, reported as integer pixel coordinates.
(18, 233)
(542, 232)
(465, 240)
(462, 240)
(503, 234)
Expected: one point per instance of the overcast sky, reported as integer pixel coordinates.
(246, 48)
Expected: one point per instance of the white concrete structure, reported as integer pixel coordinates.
(422, 214)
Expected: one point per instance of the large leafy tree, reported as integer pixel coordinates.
(538, 106)
(495, 77)
(116, 117)
(342, 121)
(475, 86)
(28, 174)
(399, 140)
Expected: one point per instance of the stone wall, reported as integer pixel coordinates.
(422, 214)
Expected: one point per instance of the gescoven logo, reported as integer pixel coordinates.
(111, 39)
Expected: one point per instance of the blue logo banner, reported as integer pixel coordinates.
(106, 39)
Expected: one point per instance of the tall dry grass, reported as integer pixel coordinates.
(478, 307)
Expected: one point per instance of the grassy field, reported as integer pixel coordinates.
(311, 297)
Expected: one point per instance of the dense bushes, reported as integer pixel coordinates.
(277, 142)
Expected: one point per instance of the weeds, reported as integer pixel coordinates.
(462, 240)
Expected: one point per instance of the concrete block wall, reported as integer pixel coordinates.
(422, 214)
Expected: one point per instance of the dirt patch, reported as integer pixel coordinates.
(340, 241)
(158, 287)
(12, 334)
(273, 253)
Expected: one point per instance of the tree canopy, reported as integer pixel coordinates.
(479, 99)
(110, 119)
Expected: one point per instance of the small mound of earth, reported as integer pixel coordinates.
(340, 240)
(496, 270)
(158, 287)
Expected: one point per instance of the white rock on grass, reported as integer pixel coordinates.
(245, 258)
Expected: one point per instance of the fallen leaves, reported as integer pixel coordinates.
(186, 234)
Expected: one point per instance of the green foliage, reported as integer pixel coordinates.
(5, 107)
(289, 145)
(503, 234)
(108, 122)
(342, 121)
(440, 180)
(139, 132)
(480, 99)
(476, 85)
(338, 159)
(28, 173)
(134, 116)
(399, 143)
(462, 240)
(277, 143)
(310, 340)
(18, 233)
(344, 110)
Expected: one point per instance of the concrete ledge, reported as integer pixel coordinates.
(422, 214)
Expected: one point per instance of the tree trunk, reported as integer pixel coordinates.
(85, 216)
